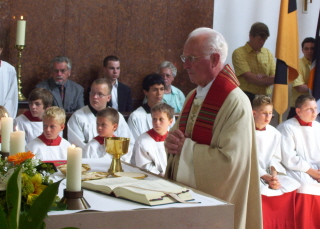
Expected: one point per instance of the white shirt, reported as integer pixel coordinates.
(114, 95)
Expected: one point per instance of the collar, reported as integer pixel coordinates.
(31, 118)
(157, 137)
(305, 61)
(50, 142)
(303, 123)
(92, 110)
(146, 108)
(101, 139)
(203, 91)
(249, 49)
(264, 128)
(116, 84)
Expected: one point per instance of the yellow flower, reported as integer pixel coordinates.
(18, 158)
(36, 180)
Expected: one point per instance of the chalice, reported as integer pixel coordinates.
(116, 147)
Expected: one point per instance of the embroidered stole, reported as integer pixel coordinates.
(224, 83)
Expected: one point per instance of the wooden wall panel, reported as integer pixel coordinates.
(142, 33)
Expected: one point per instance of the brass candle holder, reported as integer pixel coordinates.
(74, 200)
(20, 49)
(116, 147)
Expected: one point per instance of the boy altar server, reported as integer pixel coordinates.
(82, 125)
(275, 186)
(31, 121)
(49, 145)
(149, 151)
(107, 124)
(301, 157)
(140, 120)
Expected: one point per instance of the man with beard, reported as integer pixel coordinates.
(66, 93)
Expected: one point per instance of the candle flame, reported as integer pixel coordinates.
(5, 115)
(21, 17)
(16, 128)
(73, 146)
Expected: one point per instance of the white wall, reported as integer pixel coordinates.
(233, 19)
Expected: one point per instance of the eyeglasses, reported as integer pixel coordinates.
(100, 95)
(191, 59)
(60, 70)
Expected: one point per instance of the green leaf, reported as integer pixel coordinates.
(3, 220)
(40, 207)
(14, 198)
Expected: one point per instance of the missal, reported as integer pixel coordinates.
(149, 192)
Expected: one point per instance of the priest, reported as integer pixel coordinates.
(211, 147)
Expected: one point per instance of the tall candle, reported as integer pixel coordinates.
(17, 142)
(74, 168)
(21, 32)
(6, 129)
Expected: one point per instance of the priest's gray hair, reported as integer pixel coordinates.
(213, 42)
(168, 64)
(61, 59)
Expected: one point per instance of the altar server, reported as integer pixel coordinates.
(149, 151)
(301, 157)
(49, 145)
(107, 124)
(275, 186)
(82, 126)
(31, 121)
(140, 120)
(9, 86)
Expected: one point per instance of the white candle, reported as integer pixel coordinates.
(17, 142)
(21, 32)
(74, 168)
(6, 129)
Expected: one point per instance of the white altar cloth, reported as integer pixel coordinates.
(105, 203)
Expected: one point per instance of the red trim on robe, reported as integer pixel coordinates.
(225, 82)
(50, 142)
(303, 123)
(264, 128)
(279, 211)
(157, 137)
(101, 139)
(31, 118)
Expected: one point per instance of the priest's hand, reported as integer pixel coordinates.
(314, 173)
(272, 181)
(174, 142)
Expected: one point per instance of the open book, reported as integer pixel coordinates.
(149, 192)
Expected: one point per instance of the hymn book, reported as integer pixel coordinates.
(135, 190)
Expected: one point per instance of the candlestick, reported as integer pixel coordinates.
(20, 48)
(74, 168)
(6, 129)
(21, 32)
(17, 142)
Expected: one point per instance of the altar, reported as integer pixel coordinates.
(111, 212)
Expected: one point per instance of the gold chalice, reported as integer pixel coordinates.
(116, 147)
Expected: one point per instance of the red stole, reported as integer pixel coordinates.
(224, 83)
(101, 139)
(303, 123)
(31, 118)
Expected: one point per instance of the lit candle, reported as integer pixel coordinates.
(6, 129)
(17, 142)
(74, 168)
(21, 32)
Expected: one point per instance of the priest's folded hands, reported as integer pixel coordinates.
(174, 142)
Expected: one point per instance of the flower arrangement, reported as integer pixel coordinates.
(26, 192)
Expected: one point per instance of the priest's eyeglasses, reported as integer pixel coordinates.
(93, 94)
(191, 59)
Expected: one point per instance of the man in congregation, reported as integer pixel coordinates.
(212, 145)
(300, 84)
(253, 64)
(66, 93)
(121, 98)
(82, 125)
(9, 86)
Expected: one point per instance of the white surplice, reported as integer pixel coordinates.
(82, 128)
(9, 88)
(300, 152)
(150, 154)
(269, 154)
